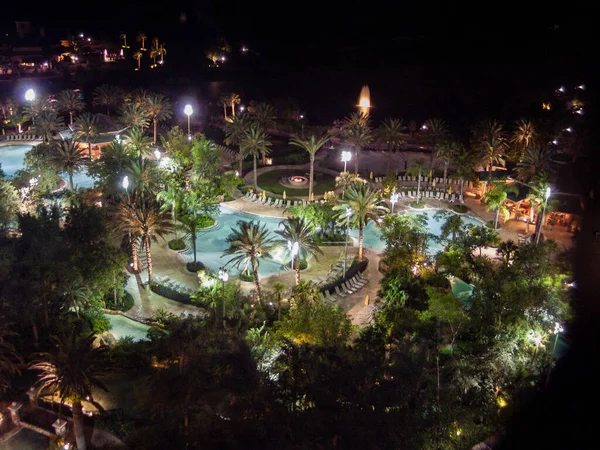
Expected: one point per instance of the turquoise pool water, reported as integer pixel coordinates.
(12, 157)
(211, 244)
(122, 326)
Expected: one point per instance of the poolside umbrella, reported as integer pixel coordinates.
(433, 183)
(449, 190)
(312, 197)
(284, 196)
(371, 175)
(265, 194)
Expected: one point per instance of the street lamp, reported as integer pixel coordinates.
(30, 95)
(346, 156)
(157, 154)
(347, 214)
(293, 248)
(546, 197)
(557, 330)
(393, 199)
(537, 341)
(223, 276)
(188, 111)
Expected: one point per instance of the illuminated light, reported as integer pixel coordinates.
(81, 35)
(458, 432)
(364, 101)
(242, 108)
(579, 111)
(189, 138)
(30, 95)
(157, 154)
(89, 39)
(222, 59)
(237, 173)
(569, 129)
(301, 116)
(501, 402)
(424, 127)
(555, 141)
(188, 110)
(346, 156)
(548, 192)
(223, 275)
(125, 182)
(581, 86)
(562, 89)
(546, 106)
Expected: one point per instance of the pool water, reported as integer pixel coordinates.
(122, 326)
(12, 160)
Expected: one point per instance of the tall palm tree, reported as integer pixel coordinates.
(9, 358)
(138, 57)
(300, 231)
(158, 108)
(72, 370)
(141, 37)
(463, 162)
(67, 157)
(445, 151)
(416, 170)
(312, 145)
(264, 115)
(107, 96)
(155, 42)
(71, 102)
(161, 51)
(235, 131)
(124, 37)
(46, 123)
(495, 199)
(171, 198)
(153, 55)
(190, 221)
(234, 99)
(524, 135)
(36, 107)
(536, 162)
(537, 200)
(366, 205)
(134, 115)
(145, 176)
(86, 129)
(436, 131)
(250, 242)
(489, 140)
(224, 103)
(392, 132)
(346, 179)
(356, 130)
(139, 141)
(256, 143)
(143, 219)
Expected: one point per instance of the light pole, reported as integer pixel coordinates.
(394, 199)
(346, 156)
(223, 276)
(302, 123)
(537, 341)
(126, 185)
(293, 248)
(557, 330)
(347, 214)
(546, 196)
(30, 95)
(188, 111)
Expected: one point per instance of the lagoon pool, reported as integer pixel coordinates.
(122, 326)
(12, 160)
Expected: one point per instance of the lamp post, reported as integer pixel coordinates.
(126, 185)
(223, 276)
(157, 154)
(302, 123)
(546, 197)
(394, 199)
(557, 330)
(537, 341)
(30, 95)
(346, 156)
(347, 214)
(293, 248)
(188, 111)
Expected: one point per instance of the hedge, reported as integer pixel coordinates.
(171, 293)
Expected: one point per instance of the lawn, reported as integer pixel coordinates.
(270, 182)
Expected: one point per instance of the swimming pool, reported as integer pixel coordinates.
(211, 243)
(12, 160)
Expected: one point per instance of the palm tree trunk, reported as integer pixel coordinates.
(194, 242)
(174, 212)
(225, 111)
(107, 111)
(134, 254)
(297, 270)
(78, 425)
(256, 282)
(445, 173)
(34, 332)
(90, 149)
(360, 242)
(70, 117)
(241, 163)
(154, 123)
(70, 173)
(462, 190)
(356, 149)
(497, 216)
(419, 185)
(139, 63)
(255, 178)
(311, 177)
(490, 176)
(149, 259)
(232, 109)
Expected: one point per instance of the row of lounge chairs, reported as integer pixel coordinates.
(275, 202)
(180, 287)
(439, 195)
(23, 137)
(408, 178)
(346, 288)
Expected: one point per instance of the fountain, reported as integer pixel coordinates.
(295, 181)
(364, 101)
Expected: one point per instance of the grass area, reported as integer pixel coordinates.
(270, 182)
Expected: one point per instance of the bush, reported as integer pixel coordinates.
(114, 423)
(181, 296)
(124, 301)
(247, 276)
(417, 204)
(177, 244)
(195, 266)
(303, 264)
(205, 222)
(461, 209)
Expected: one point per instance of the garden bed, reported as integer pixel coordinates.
(417, 205)
(460, 209)
(172, 293)
(270, 181)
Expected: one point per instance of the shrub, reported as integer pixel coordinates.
(205, 222)
(177, 244)
(195, 266)
(303, 264)
(247, 276)
(124, 301)
(179, 295)
(114, 423)
(417, 204)
(461, 209)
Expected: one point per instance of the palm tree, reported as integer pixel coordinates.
(312, 145)
(76, 366)
(416, 169)
(141, 37)
(71, 102)
(172, 198)
(235, 131)
(436, 130)
(356, 130)
(143, 219)
(224, 103)
(537, 200)
(250, 242)
(138, 57)
(524, 135)
(495, 199)
(153, 55)
(67, 157)
(158, 108)
(17, 119)
(445, 152)
(139, 141)
(263, 114)
(107, 96)
(190, 221)
(296, 230)
(155, 43)
(256, 143)
(124, 37)
(489, 139)
(463, 162)
(392, 132)
(366, 205)
(86, 129)
(234, 99)
(36, 107)
(134, 115)
(346, 179)
(536, 162)
(9, 358)
(144, 175)
(47, 122)
(161, 51)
